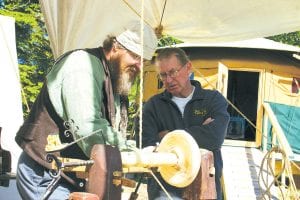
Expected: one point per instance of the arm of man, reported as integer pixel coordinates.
(211, 133)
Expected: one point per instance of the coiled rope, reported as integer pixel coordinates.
(286, 191)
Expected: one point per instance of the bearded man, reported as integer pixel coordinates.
(86, 88)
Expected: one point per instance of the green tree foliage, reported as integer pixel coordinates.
(133, 109)
(33, 49)
(292, 38)
(167, 40)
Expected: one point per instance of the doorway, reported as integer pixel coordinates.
(242, 92)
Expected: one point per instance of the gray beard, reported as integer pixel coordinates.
(124, 83)
(121, 81)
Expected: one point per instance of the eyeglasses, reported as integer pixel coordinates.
(172, 73)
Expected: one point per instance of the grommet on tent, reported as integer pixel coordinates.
(158, 31)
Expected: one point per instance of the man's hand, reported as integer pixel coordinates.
(162, 134)
(208, 120)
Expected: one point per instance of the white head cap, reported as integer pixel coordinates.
(131, 40)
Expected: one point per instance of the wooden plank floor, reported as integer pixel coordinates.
(241, 173)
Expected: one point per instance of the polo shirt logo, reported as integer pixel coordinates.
(201, 112)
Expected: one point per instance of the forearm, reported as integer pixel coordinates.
(210, 136)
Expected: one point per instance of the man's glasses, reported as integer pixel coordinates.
(172, 74)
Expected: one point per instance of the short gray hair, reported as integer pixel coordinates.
(170, 51)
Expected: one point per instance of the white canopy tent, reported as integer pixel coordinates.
(75, 24)
(11, 113)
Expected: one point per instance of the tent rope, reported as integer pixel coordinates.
(163, 12)
(159, 28)
(141, 98)
(133, 10)
(142, 78)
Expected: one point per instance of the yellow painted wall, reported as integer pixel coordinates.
(278, 87)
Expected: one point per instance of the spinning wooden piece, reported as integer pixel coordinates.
(187, 151)
(177, 159)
